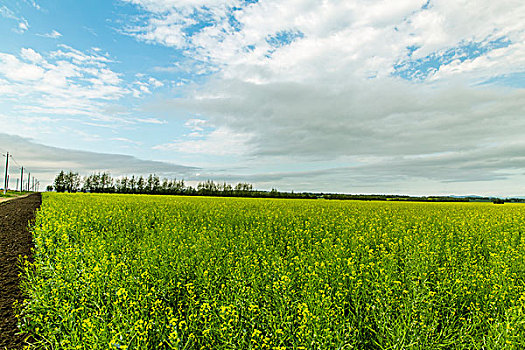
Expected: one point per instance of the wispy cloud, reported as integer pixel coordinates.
(34, 4)
(22, 25)
(126, 140)
(52, 35)
(145, 85)
(151, 121)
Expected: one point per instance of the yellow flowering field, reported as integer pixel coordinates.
(165, 272)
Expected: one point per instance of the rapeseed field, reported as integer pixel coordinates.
(164, 272)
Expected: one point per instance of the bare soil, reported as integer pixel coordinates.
(15, 241)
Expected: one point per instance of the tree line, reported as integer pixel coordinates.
(151, 184)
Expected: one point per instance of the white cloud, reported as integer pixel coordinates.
(23, 26)
(154, 82)
(14, 69)
(145, 85)
(358, 38)
(219, 142)
(495, 63)
(151, 121)
(196, 124)
(162, 6)
(52, 35)
(31, 55)
(66, 82)
(79, 57)
(126, 140)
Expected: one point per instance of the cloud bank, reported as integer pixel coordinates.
(382, 90)
(44, 162)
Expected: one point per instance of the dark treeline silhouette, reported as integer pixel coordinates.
(153, 184)
(69, 182)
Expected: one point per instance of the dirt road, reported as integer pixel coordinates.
(15, 241)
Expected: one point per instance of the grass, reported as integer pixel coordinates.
(10, 194)
(162, 272)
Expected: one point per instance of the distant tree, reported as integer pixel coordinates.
(132, 184)
(243, 187)
(166, 186)
(92, 183)
(227, 189)
(117, 186)
(86, 184)
(95, 183)
(49, 188)
(141, 185)
(60, 182)
(72, 182)
(149, 184)
(156, 186)
(174, 186)
(152, 184)
(124, 185)
(208, 188)
(180, 186)
(106, 181)
(190, 191)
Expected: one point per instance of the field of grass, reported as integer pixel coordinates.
(163, 272)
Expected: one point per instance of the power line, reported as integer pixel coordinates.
(27, 186)
(14, 160)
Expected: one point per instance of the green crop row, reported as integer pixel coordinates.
(163, 272)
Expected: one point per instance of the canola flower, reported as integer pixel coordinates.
(163, 272)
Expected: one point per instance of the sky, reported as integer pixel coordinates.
(356, 96)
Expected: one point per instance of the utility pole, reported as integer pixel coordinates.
(21, 180)
(6, 167)
(28, 181)
(16, 188)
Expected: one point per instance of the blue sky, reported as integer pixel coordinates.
(95, 30)
(359, 96)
